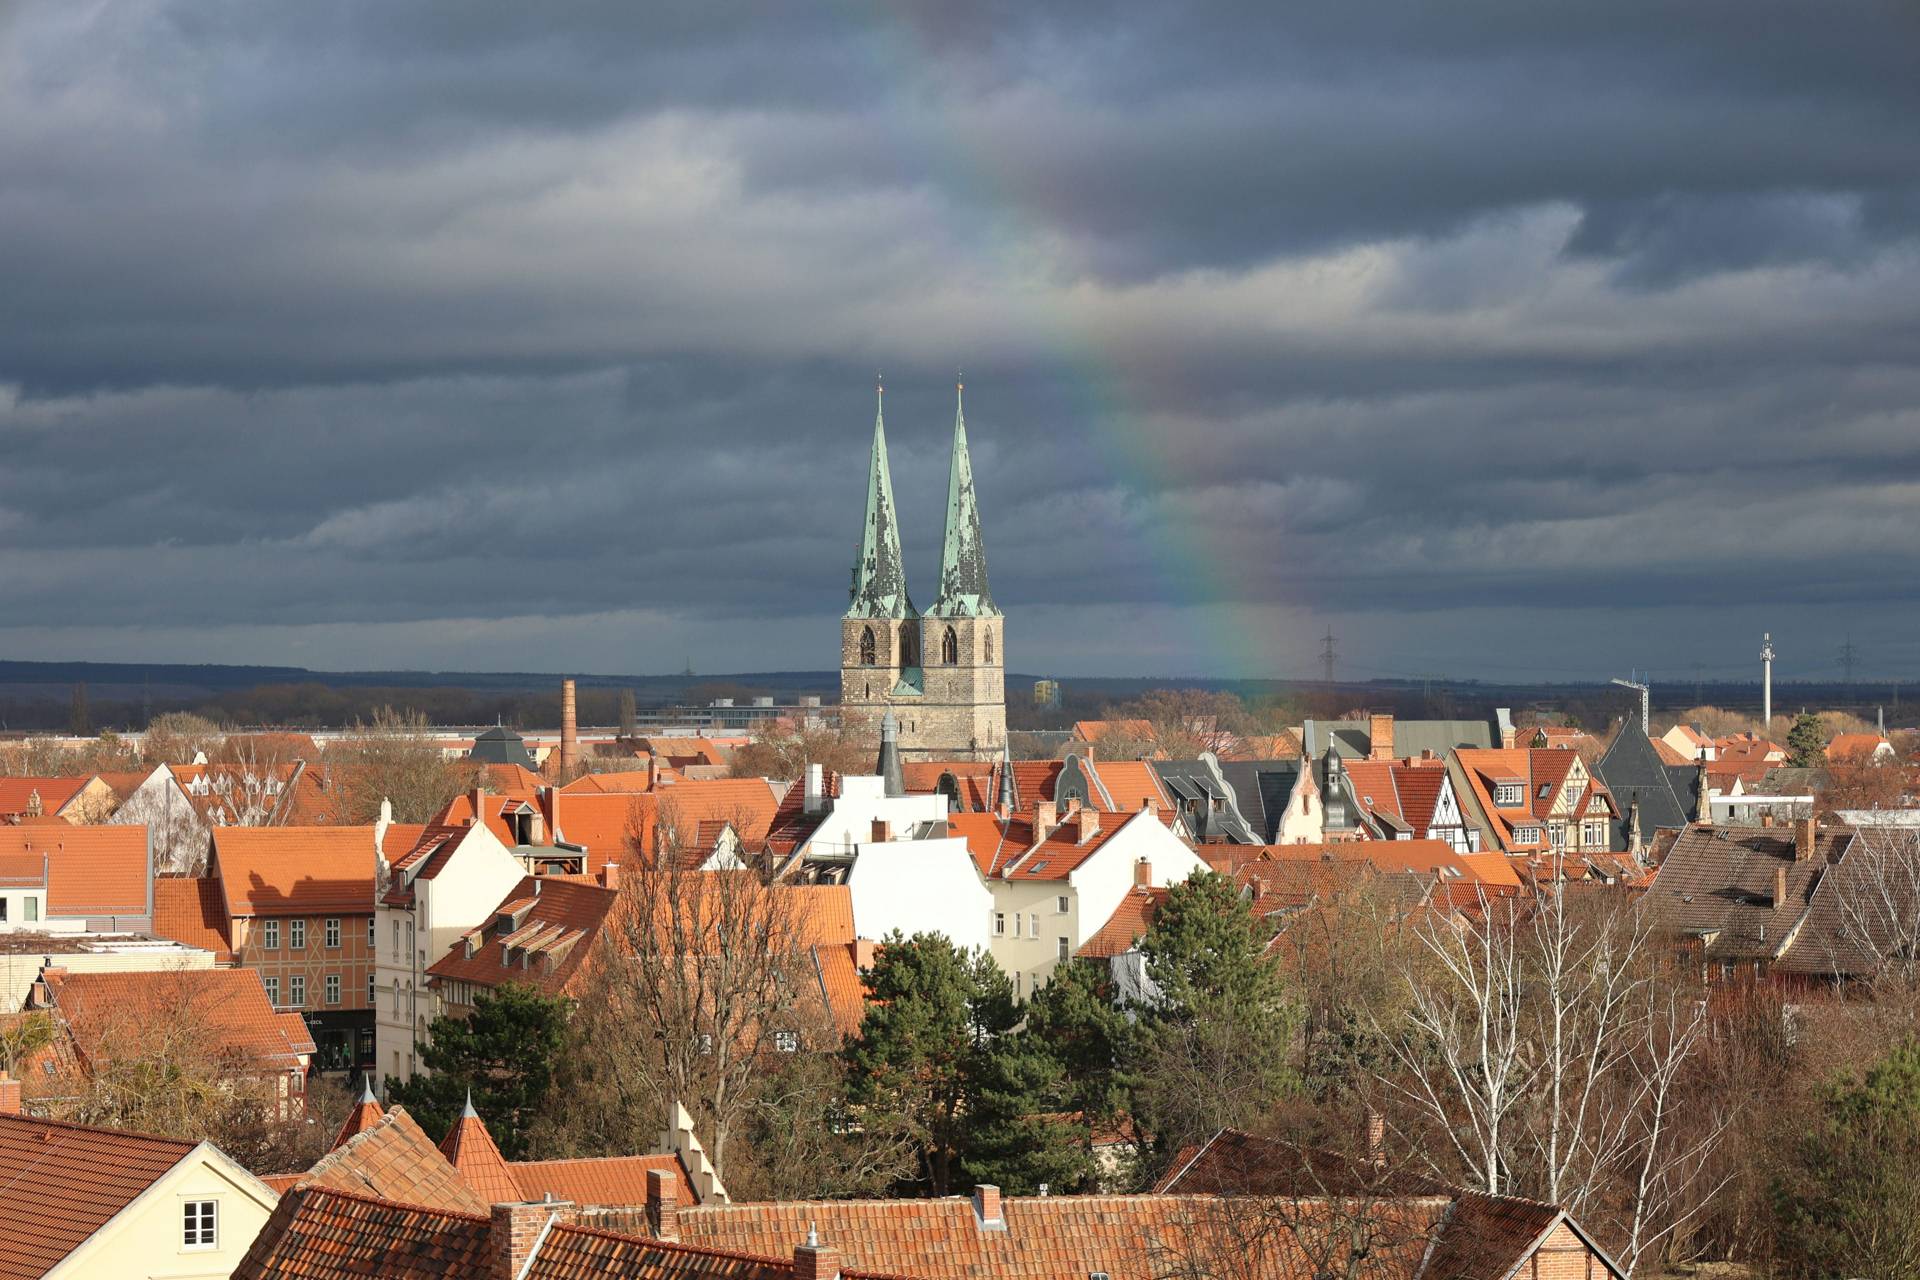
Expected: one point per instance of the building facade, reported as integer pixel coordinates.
(941, 673)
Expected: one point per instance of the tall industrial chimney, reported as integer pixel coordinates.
(569, 728)
(1766, 682)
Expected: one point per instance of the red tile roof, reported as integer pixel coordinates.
(1847, 746)
(191, 910)
(993, 841)
(16, 794)
(469, 1148)
(551, 935)
(109, 1014)
(271, 871)
(1063, 851)
(62, 1182)
(326, 1233)
(396, 1160)
(91, 871)
(1127, 925)
(607, 1180)
(365, 1114)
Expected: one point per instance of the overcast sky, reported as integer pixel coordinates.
(1502, 338)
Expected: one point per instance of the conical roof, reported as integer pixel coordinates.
(365, 1114)
(879, 576)
(963, 556)
(469, 1148)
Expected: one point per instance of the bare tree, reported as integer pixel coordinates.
(783, 750)
(394, 758)
(1871, 902)
(1547, 1051)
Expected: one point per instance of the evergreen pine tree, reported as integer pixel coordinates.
(504, 1052)
(1806, 742)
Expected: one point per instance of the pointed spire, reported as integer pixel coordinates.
(365, 1114)
(879, 576)
(470, 1149)
(963, 556)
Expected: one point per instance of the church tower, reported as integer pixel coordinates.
(941, 674)
(966, 699)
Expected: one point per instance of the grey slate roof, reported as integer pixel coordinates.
(1632, 770)
(1264, 788)
(500, 745)
(1353, 739)
(1211, 801)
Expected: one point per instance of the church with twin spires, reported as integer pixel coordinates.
(940, 672)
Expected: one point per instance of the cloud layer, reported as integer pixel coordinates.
(1502, 338)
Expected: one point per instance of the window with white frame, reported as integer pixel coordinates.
(297, 934)
(999, 923)
(1063, 949)
(200, 1224)
(297, 990)
(396, 939)
(1507, 794)
(1033, 924)
(1060, 904)
(370, 942)
(273, 991)
(333, 931)
(333, 988)
(270, 935)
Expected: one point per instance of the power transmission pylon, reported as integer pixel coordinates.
(1848, 656)
(1326, 654)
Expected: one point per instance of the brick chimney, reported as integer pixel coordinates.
(1779, 887)
(1380, 732)
(10, 1098)
(1045, 818)
(1804, 832)
(479, 798)
(653, 770)
(663, 1205)
(610, 876)
(1142, 873)
(1373, 1137)
(514, 1232)
(986, 1207)
(569, 727)
(815, 1261)
(1087, 825)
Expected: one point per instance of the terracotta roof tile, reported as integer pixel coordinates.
(554, 936)
(190, 910)
(110, 1013)
(396, 1160)
(62, 1182)
(268, 871)
(325, 1233)
(16, 794)
(606, 1180)
(469, 1148)
(91, 871)
(1127, 925)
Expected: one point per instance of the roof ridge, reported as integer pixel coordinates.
(679, 1246)
(389, 1201)
(188, 1143)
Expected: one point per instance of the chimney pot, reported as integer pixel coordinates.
(815, 1261)
(610, 876)
(1142, 873)
(663, 1205)
(986, 1205)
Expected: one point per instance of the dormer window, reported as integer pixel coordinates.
(1507, 794)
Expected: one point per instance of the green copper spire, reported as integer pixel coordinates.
(963, 558)
(879, 579)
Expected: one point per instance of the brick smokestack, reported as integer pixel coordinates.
(513, 1233)
(663, 1205)
(569, 727)
(1380, 731)
(1804, 832)
(815, 1261)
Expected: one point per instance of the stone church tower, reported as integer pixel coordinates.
(941, 673)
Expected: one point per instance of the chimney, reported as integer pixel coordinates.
(1779, 887)
(888, 765)
(863, 952)
(1087, 823)
(986, 1206)
(515, 1232)
(1142, 873)
(1702, 794)
(815, 796)
(33, 803)
(1149, 805)
(1804, 832)
(663, 1205)
(569, 727)
(10, 1104)
(1044, 819)
(610, 876)
(881, 834)
(479, 798)
(1373, 1137)
(1380, 732)
(653, 770)
(1503, 716)
(815, 1261)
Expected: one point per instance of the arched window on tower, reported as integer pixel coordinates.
(988, 633)
(950, 648)
(866, 647)
(910, 645)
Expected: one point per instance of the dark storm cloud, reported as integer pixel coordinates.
(432, 334)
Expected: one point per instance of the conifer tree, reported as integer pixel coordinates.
(1806, 742)
(504, 1052)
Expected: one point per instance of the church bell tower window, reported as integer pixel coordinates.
(950, 648)
(909, 646)
(866, 647)
(987, 632)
